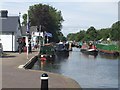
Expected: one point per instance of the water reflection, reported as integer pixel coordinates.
(52, 65)
(89, 71)
(89, 56)
(62, 55)
(110, 57)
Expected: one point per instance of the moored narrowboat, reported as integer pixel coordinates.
(47, 52)
(108, 49)
(91, 49)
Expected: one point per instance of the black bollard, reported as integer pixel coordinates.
(44, 81)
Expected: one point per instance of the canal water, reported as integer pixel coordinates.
(89, 71)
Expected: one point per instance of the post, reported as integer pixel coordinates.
(43, 38)
(39, 38)
(27, 46)
(47, 39)
(44, 81)
(27, 43)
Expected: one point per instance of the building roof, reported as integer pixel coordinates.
(10, 23)
(24, 30)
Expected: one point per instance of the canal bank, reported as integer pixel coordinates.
(14, 77)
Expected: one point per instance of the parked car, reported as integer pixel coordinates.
(1, 49)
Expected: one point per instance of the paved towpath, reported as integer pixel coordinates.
(14, 77)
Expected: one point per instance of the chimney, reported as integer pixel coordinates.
(4, 13)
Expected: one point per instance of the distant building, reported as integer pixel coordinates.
(10, 31)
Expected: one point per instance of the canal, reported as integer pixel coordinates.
(87, 70)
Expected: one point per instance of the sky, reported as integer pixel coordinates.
(77, 14)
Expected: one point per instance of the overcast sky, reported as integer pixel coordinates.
(78, 14)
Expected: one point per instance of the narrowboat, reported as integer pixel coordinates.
(108, 49)
(47, 52)
(62, 50)
(91, 49)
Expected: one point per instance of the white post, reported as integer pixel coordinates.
(39, 38)
(47, 39)
(43, 38)
(27, 45)
(27, 42)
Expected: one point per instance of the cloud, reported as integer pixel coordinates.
(59, 0)
(77, 15)
(98, 14)
(16, 7)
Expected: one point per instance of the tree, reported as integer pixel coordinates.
(115, 31)
(91, 33)
(61, 36)
(48, 17)
(104, 33)
(82, 35)
(71, 36)
(24, 23)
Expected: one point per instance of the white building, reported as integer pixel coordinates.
(10, 31)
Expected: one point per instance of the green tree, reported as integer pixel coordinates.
(104, 33)
(71, 36)
(91, 33)
(115, 31)
(24, 23)
(76, 37)
(61, 36)
(82, 35)
(48, 17)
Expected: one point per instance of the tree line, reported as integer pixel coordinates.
(93, 34)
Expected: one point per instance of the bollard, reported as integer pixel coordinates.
(44, 81)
